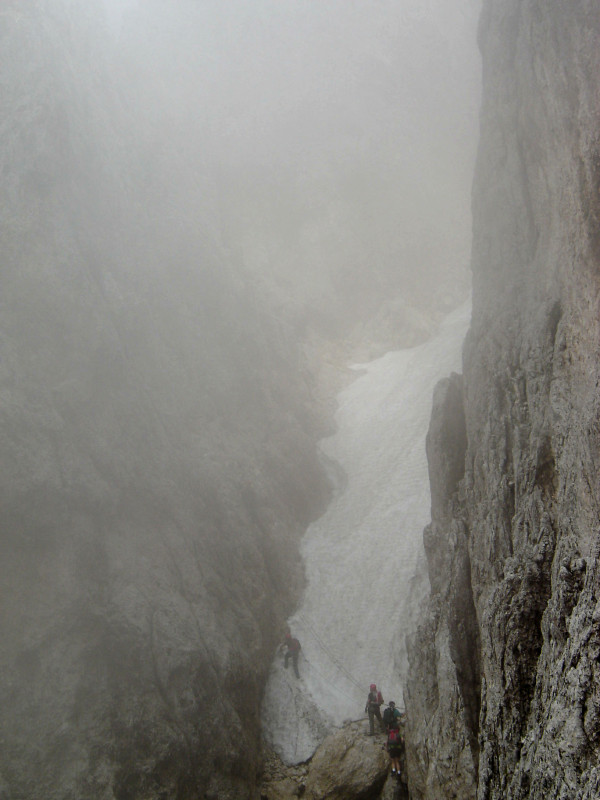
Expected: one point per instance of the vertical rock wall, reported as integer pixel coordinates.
(503, 698)
(157, 448)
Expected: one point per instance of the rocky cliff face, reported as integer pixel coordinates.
(503, 699)
(157, 439)
(158, 418)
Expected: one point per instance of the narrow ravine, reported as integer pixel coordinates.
(361, 554)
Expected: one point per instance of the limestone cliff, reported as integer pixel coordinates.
(171, 276)
(157, 439)
(503, 698)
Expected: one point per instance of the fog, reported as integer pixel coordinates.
(207, 210)
(336, 140)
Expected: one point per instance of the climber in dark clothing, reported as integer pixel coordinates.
(373, 707)
(293, 651)
(391, 715)
(395, 748)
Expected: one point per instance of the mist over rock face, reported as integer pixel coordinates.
(158, 461)
(503, 699)
(334, 189)
(173, 272)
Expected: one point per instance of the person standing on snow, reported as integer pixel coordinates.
(373, 707)
(293, 651)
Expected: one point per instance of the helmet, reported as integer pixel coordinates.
(372, 686)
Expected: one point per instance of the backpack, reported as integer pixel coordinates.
(394, 738)
(388, 716)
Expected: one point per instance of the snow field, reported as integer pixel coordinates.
(362, 553)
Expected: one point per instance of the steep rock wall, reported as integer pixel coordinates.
(157, 438)
(158, 420)
(513, 552)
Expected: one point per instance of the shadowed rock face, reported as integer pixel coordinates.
(513, 551)
(158, 418)
(152, 485)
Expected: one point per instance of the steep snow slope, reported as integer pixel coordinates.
(361, 554)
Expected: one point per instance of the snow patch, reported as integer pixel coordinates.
(362, 553)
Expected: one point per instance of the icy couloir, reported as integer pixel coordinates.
(362, 553)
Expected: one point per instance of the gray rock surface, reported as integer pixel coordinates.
(348, 765)
(158, 449)
(159, 411)
(503, 699)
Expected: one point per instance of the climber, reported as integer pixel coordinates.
(374, 701)
(292, 651)
(395, 748)
(391, 715)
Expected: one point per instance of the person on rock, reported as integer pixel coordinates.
(395, 748)
(391, 715)
(292, 651)
(373, 708)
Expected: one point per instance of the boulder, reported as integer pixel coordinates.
(349, 765)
